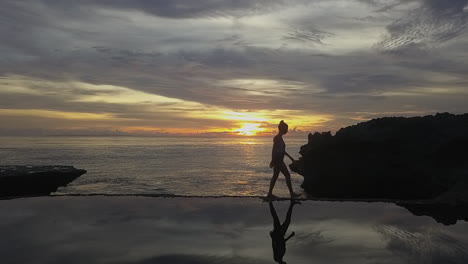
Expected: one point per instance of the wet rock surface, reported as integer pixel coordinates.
(35, 180)
(393, 157)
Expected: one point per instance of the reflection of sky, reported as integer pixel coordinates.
(179, 230)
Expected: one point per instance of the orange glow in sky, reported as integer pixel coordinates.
(151, 114)
(249, 129)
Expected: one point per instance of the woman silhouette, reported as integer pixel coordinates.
(277, 163)
(278, 242)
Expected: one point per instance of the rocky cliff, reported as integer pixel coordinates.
(391, 157)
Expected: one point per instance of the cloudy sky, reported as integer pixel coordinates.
(185, 66)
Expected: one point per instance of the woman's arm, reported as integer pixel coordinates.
(289, 156)
(291, 235)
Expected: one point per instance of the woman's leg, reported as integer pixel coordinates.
(287, 175)
(287, 220)
(276, 221)
(276, 171)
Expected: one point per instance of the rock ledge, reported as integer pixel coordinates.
(35, 180)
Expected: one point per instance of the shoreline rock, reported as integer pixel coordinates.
(442, 213)
(392, 157)
(35, 180)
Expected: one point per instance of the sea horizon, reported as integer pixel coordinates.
(156, 165)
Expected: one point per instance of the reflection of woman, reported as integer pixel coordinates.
(278, 242)
(277, 163)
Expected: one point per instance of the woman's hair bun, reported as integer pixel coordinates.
(282, 124)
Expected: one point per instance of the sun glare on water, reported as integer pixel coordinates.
(249, 129)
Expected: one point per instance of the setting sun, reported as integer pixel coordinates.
(249, 129)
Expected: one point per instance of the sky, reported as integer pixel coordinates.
(141, 67)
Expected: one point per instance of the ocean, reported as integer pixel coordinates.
(192, 166)
(133, 229)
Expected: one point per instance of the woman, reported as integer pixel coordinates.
(278, 242)
(277, 163)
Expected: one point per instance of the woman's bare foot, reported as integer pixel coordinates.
(294, 202)
(295, 195)
(271, 196)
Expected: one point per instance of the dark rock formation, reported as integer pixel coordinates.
(35, 180)
(392, 157)
(447, 208)
(443, 213)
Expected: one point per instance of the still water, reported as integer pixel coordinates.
(224, 230)
(157, 165)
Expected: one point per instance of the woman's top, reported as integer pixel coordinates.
(279, 148)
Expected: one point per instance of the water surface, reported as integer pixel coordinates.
(223, 230)
(156, 165)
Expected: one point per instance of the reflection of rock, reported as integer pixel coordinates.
(35, 180)
(442, 213)
(456, 194)
(447, 208)
(394, 157)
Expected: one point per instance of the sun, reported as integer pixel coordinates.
(249, 129)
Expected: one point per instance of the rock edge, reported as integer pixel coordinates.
(18, 181)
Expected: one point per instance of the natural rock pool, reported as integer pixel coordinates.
(132, 229)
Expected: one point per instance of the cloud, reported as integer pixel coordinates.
(319, 59)
(308, 35)
(190, 9)
(177, 9)
(386, 6)
(429, 25)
